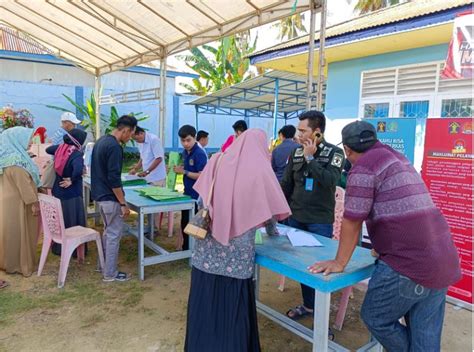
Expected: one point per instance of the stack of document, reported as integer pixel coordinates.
(161, 194)
(132, 180)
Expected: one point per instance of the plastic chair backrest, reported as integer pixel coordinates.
(51, 217)
(338, 212)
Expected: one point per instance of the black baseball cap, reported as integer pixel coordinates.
(359, 136)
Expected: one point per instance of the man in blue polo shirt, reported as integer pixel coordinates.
(194, 160)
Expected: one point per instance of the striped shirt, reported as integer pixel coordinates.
(405, 227)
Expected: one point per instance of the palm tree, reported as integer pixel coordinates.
(366, 6)
(291, 27)
(220, 67)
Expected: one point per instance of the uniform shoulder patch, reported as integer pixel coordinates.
(326, 151)
(299, 152)
(337, 160)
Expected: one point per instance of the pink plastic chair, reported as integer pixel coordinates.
(347, 292)
(338, 213)
(70, 238)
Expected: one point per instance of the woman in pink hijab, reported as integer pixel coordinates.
(222, 312)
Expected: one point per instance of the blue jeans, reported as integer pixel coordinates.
(391, 296)
(319, 229)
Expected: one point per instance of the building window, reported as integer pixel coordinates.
(416, 91)
(376, 110)
(457, 108)
(418, 109)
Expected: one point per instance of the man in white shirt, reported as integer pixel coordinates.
(152, 162)
(152, 158)
(202, 139)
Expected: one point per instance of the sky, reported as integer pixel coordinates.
(338, 11)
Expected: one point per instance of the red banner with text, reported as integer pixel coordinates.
(447, 171)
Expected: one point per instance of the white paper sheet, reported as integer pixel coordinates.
(302, 239)
(127, 177)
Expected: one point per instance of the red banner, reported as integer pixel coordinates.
(459, 61)
(447, 171)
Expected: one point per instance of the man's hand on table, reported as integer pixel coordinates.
(327, 267)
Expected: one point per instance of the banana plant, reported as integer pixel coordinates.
(221, 66)
(114, 116)
(291, 27)
(366, 6)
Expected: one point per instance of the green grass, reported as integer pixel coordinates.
(89, 293)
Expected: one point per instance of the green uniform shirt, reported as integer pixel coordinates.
(310, 187)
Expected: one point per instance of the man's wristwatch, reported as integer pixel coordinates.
(123, 205)
(186, 172)
(309, 158)
(147, 172)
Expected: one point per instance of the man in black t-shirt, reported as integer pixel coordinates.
(107, 191)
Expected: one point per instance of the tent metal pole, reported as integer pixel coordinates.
(322, 59)
(161, 122)
(275, 108)
(97, 89)
(197, 118)
(309, 78)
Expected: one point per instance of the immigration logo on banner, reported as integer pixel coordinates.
(399, 133)
(447, 171)
(459, 62)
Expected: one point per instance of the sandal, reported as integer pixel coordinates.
(3, 284)
(298, 312)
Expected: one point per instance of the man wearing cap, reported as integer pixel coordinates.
(309, 183)
(417, 257)
(68, 123)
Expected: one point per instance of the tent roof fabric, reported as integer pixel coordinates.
(257, 96)
(104, 36)
(385, 16)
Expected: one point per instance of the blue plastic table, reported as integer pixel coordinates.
(145, 206)
(278, 255)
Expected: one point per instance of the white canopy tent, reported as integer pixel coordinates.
(102, 36)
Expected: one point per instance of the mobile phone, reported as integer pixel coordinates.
(317, 136)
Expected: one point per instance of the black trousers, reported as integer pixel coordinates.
(184, 222)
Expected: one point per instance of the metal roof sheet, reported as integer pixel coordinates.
(259, 92)
(392, 14)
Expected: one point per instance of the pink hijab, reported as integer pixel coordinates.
(246, 191)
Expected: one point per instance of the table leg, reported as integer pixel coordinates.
(141, 246)
(86, 194)
(191, 238)
(257, 281)
(151, 224)
(96, 211)
(321, 321)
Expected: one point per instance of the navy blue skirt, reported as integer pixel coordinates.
(222, 314)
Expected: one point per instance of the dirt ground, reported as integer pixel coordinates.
(89, 315)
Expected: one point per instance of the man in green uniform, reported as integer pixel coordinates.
(309, 183)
